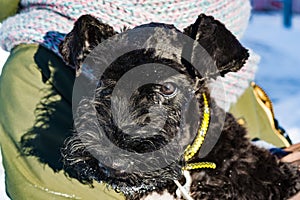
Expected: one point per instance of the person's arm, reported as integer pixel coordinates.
(8, 8)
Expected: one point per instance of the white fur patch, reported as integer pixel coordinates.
(155, 196)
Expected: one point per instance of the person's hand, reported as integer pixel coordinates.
(296, 197)
(294, 157)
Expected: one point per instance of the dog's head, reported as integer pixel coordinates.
(152, 115)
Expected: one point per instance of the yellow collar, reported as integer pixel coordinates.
(192, 149)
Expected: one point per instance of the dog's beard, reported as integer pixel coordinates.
(154, 127)
(146, 127)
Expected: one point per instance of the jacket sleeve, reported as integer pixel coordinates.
(8, 8)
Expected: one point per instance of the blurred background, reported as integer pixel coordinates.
(276, 5)
(274, 33)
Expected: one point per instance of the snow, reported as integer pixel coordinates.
(3, 57)
(278, 72)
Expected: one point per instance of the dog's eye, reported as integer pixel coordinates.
(168, 89)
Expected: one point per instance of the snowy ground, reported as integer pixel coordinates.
(278, 73)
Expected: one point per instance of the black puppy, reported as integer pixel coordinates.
(242, 170)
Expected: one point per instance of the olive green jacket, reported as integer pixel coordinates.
(8, 8)
(36, 118)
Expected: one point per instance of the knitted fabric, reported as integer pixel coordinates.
(47, 21)
(37, 17)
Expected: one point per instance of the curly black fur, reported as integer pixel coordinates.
(222, 46)
(86, 36)
(244, 171)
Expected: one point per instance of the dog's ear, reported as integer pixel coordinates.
(87, 33)
(226, 51)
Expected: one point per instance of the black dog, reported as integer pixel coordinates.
(242, 170)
